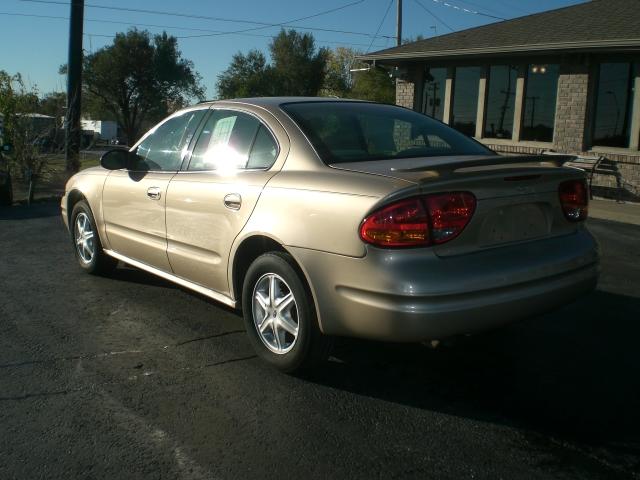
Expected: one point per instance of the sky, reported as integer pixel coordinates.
(34, 43)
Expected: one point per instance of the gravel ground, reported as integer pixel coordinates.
(132, 377)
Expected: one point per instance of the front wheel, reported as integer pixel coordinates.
(86, 241)
(280, 316)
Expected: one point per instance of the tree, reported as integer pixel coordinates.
(248, 76)
(296, 68)
(20, 131)
(53, 104)
(373, 84)
(299, 69)
(338, 77)
(139, 79)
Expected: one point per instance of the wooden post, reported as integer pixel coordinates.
(482, 102)
(448, 96)
(518, 107)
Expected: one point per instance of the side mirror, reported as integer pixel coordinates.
(115, 159)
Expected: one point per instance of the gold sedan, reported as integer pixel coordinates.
(324, 217)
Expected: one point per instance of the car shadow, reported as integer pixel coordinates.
(36, 210)
(129, 274)
(126, 273)
(573, 373)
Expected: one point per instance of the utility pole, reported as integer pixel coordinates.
(73, 132)
(399, 24)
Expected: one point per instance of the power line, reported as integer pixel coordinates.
(299, 27)
(484, 7)
(261, 25)
(136, 24)
(433, 15)
(154, 25)
(466, 10)
(174, 27)
(189, 15)
(380, 25)
(287, 23)
(333, 42)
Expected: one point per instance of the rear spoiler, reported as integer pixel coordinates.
(450, 165)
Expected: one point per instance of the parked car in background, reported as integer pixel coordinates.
(6, 186)
(324, 217)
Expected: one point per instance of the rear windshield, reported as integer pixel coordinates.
(358, 132)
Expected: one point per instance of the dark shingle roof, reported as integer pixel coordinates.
(588, 26)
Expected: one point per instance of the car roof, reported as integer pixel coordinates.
(277, 101)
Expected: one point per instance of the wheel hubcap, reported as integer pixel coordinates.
(84, 236)
(275, 313)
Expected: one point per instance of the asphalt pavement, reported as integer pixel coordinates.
(132, 377)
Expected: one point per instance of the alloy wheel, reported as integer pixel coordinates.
(84, 238)
(275, 313)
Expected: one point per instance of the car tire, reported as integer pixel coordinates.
(6, 193)
(274, 279)
(86, 241)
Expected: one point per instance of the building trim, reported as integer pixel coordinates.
(591, 46)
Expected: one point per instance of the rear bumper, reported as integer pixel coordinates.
(415, 295)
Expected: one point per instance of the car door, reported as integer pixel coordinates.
(210, 201)
(134, 199)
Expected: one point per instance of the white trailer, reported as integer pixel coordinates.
(103, 129)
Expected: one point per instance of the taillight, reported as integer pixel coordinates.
(574, 198)
(419, 221)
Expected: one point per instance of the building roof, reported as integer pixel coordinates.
(590, 26)
(35, 115)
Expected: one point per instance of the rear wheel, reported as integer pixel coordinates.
(280, 316)
(86, 242)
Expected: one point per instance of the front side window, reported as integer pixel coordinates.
(232, 140)
(501, 100)
(612, 124)
(357, 131)
(465, 100)
(539, 110)
(165, 147)
(433, 93)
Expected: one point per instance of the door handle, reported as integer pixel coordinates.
(154, 193)
(233, 201)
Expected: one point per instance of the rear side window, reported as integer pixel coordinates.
(233, 140)
(264, 151)
(164, 148)
(359, 131)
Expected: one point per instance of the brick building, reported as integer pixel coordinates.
(566, 80)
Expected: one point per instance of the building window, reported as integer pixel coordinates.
(612, 119)
(433, 93)
(501, 100)
(540, 103)
(465, 100)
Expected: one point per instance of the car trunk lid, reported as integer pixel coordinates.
(517, 197)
